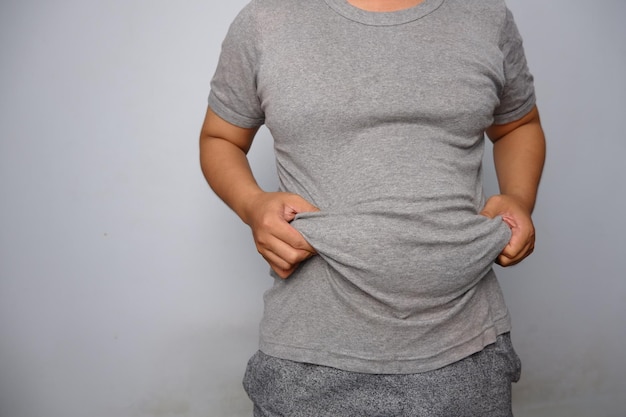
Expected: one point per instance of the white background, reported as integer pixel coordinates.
(127, 289)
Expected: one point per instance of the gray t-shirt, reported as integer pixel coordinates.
(378, 119)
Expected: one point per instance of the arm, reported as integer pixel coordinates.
(519, 153)
(223, 150)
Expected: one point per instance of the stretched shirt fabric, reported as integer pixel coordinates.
(378, 119)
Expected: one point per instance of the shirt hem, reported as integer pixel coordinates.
(521, 111)
(355, 363)
(231, 116)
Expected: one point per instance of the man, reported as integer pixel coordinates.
(380, 238)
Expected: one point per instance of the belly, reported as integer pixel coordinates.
(405, 259)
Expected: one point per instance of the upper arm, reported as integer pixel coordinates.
(214, 127)
(496, 132)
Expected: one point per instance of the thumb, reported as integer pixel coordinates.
(489, 210)
(306, 206)
(495, 206)
(487, 213)
(296, 204)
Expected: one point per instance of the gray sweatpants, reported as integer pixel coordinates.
(477, 386)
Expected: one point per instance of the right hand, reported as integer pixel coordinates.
(268, 214)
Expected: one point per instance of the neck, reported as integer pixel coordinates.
(384, 5)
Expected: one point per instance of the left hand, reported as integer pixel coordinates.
(518, 218)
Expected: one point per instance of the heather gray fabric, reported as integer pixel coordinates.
(378, 120)
(477, 386)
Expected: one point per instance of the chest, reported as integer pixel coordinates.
(343, 76)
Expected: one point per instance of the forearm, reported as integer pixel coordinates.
(224, 163)
(226, 169)
(223, 149)
(519, 157)
(519, 153)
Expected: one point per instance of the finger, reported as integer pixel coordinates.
(283, 273)
(281, 254)
(278, 265)
(487, 212)
(516, 244)
(522, 236)
(282, 267)
(276, 227)
(493, 207)
(286, 233)
(508, 260)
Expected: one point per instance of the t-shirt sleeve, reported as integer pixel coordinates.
(517, 97)
(233, 94)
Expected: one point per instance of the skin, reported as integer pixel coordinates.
(519, 153)
(223, 149)
(384, 6)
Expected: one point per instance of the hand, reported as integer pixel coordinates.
(282, 246)
(517, 217)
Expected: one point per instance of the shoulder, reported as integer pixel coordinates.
(491, 12)
(261, 20)
(483, 20)
(265, 13)
(271, 6)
